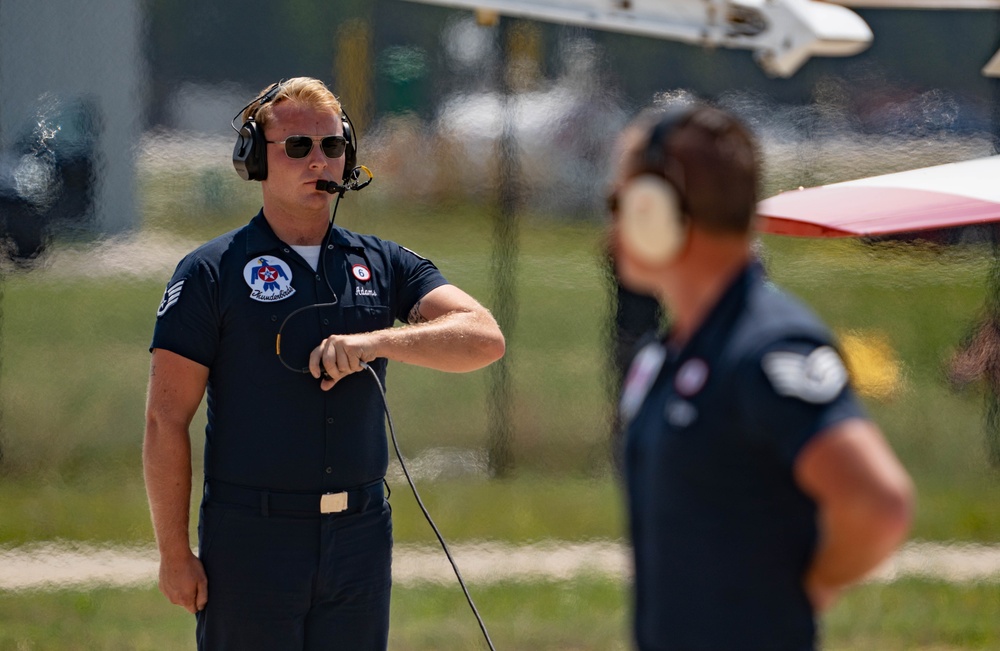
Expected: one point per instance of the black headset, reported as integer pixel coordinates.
(250, 151)
(652, 205)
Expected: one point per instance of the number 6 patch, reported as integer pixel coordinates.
(361, 272)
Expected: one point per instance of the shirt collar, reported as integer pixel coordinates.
(261, 238)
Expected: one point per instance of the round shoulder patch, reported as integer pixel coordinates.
(269, 279)
(361, 272)
(817, 378)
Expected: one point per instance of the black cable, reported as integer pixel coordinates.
(427, 515)
(388, 417)
(326, 278)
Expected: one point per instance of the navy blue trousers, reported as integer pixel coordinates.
(278, 582)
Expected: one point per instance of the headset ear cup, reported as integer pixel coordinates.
(351, 151)
(651, 223)
(250, 153)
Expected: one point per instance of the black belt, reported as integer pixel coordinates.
(345, 502)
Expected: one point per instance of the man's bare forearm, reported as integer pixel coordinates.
(167, 469)
(457, 342)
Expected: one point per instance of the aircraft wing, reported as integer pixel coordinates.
(783, 34)
(931, 198)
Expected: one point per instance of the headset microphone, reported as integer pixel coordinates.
(331, 187)
(352, 181)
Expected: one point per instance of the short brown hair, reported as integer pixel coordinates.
(711, 158)
(302, 90)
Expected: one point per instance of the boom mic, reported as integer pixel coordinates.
(331, 187)
(353, 182)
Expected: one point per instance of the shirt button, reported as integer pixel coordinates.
(318, 277)
(285, 250)
(274, 317)
(326, 321)
(329, 421)
(329, 246)
(329, 470)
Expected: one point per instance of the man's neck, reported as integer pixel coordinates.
(692, 295)
(298, 229)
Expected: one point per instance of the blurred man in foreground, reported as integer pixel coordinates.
(295, 533)
(757, 487)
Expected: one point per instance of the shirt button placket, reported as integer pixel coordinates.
(329, 431)
(329, 434)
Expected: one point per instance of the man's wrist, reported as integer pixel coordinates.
(175, 551)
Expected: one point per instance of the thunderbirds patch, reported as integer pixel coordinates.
(269, 279)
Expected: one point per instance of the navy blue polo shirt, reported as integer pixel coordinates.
(268, 426)
(722, 534)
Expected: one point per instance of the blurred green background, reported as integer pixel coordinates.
(76, 330)
(427, 87)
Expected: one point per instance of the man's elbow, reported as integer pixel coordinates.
(487, 349)
(495, 347)
(896, 512)
(491, 344)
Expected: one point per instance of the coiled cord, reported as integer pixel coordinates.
(427, 515)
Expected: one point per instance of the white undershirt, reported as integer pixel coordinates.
(310, 254)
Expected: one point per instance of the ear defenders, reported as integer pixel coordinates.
(250, 150)
(651, 218)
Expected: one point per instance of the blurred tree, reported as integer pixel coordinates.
(518, 70)
(255, 43)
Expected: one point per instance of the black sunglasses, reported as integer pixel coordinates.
(300, 146)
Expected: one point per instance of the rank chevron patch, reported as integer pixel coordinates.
(817, 378)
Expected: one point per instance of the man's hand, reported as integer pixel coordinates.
(339, 356)
(183, 582)
(448, 331)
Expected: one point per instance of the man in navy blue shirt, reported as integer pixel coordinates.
(757, 487)
(295, 534)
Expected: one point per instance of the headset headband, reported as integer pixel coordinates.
(669, 122)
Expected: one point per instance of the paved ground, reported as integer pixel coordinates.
(66, 566)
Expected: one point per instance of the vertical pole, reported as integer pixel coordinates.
(503, 265)
(990, 328)
(3, 429)
(352, 70)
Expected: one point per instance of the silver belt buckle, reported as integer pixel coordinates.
(333, 503)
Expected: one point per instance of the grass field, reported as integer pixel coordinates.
(74, 374)
(584, 615)
(74, 367)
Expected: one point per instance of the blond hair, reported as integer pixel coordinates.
(305, 91)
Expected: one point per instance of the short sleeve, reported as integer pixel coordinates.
(415, 277)
(187, 319)
(793, 390)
